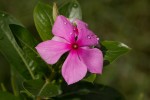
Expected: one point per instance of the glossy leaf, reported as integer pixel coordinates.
(112, 50)
(71, 9)
(27, 43)
(24, 36)
(41, 89)
(89, 91)
(7, 96)
(10, 49)
(43, 20)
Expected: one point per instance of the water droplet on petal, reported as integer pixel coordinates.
(86, 25)
(89, 37)
(97, 39)
(65, 23)
(71, 33)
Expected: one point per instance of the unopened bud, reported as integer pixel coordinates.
(55, 11)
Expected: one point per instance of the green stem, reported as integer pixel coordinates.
(52, 72)
(47, 82)
(3, 87)
(13, 83)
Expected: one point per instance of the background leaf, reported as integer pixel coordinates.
(43, 20)
(7, 96)
(112, 50)
(88, 91)
(41, 89)
(71, 9)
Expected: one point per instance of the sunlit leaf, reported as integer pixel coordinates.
(71, 9)
(112, 50)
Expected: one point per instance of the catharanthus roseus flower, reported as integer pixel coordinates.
(79, 41)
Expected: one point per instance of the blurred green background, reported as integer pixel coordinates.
(127, 21)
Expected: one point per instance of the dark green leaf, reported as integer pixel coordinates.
(112, 50)
(7, 96)
(43, 20)
(11, 50)
(41, 89)
(71, 9)
(27, 43)
(24, 36)
(89, 91)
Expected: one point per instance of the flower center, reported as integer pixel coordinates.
(75, 46)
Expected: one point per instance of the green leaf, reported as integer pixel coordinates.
(89, 91)
(24, 36)
(27, 43)
(39, 88)
(90, 78)
(112, 50)
(11, 50)
(43, 20)
(7, 96)
(71, 9)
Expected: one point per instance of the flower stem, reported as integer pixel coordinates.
(3, 87)
(14, 87)
(52, 72)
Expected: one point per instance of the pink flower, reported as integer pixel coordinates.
(79, 41)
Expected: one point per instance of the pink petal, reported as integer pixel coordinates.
(51, 51)
(63, 28)
(73, 68)
(85, 37)
(92, 58)
(59, 39)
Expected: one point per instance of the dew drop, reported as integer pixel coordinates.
(97, 39)
(86, 25)
(71, 33)
(75, 5)
(89, 37)
(31, 63)
(65, 23)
